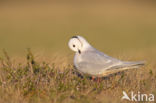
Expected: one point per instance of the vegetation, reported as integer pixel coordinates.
(37, 82)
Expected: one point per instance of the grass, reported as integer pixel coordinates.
(41, 82)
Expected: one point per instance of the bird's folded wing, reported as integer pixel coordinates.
(98, 57)
(93, 68)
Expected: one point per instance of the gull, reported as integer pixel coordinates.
(89, 60)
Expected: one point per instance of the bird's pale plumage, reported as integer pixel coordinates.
(90, 61)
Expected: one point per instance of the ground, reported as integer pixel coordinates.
(37, 80)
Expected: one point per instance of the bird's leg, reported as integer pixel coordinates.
(98, 79)
(93, 78)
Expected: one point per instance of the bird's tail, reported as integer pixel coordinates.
(133, 64)
(124, 66)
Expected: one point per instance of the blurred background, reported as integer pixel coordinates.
(46, 26)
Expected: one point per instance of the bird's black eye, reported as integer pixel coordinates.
(73, 45)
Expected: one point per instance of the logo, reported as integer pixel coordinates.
(138, 97)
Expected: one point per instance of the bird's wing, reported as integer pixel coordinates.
(93, 68)
(99, 64)
(98, 57)
(95, 62)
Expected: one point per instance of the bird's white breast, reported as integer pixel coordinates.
(77, 59)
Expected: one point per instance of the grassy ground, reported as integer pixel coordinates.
(34, 80)
(125, 30)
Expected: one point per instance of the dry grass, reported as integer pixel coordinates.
(40, 81)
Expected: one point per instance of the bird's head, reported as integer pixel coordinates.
(78, 44)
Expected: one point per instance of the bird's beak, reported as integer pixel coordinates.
(79, 51)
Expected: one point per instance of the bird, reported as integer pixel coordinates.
(90, 61)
